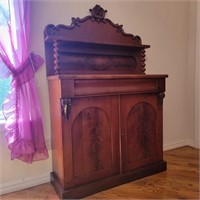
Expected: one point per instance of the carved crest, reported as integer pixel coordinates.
(98, 13)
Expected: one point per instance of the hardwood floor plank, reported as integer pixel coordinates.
(180, 181)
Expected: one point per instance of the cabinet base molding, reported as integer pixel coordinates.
(98, 186)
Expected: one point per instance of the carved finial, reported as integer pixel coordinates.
(75, 21)
(98, 13)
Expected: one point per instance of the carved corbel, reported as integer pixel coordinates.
(160, 96)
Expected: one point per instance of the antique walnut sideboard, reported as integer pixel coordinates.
(106, 113)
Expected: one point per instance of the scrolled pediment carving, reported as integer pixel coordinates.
(78, 26)
(96, 40)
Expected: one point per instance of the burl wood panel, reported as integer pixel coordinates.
(140, 131)
(91, 138)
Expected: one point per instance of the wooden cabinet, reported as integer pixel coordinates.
(105, 137)
(106, 113)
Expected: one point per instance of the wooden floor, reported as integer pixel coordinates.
(180, 181)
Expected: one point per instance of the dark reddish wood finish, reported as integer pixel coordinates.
(106, 114)
(93, 45)
(140, 134)
(94, 152)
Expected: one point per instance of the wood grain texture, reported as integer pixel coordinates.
(180, 181)
(91, 137)
(141, 132)
(141, 135)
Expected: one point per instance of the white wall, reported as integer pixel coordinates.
(197, 79)
(168, 26)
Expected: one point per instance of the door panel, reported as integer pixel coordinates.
(93, 129)
(139, 127)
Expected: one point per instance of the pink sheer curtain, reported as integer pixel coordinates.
(24, 129)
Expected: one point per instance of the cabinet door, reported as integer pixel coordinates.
(91, 140)
(141, 130)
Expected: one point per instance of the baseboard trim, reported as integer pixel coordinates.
(178, 144)
(23, 183)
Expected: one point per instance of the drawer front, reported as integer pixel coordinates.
(97, 87)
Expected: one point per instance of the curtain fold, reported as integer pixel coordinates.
(24, 129)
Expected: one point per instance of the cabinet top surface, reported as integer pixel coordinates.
(108, 76)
